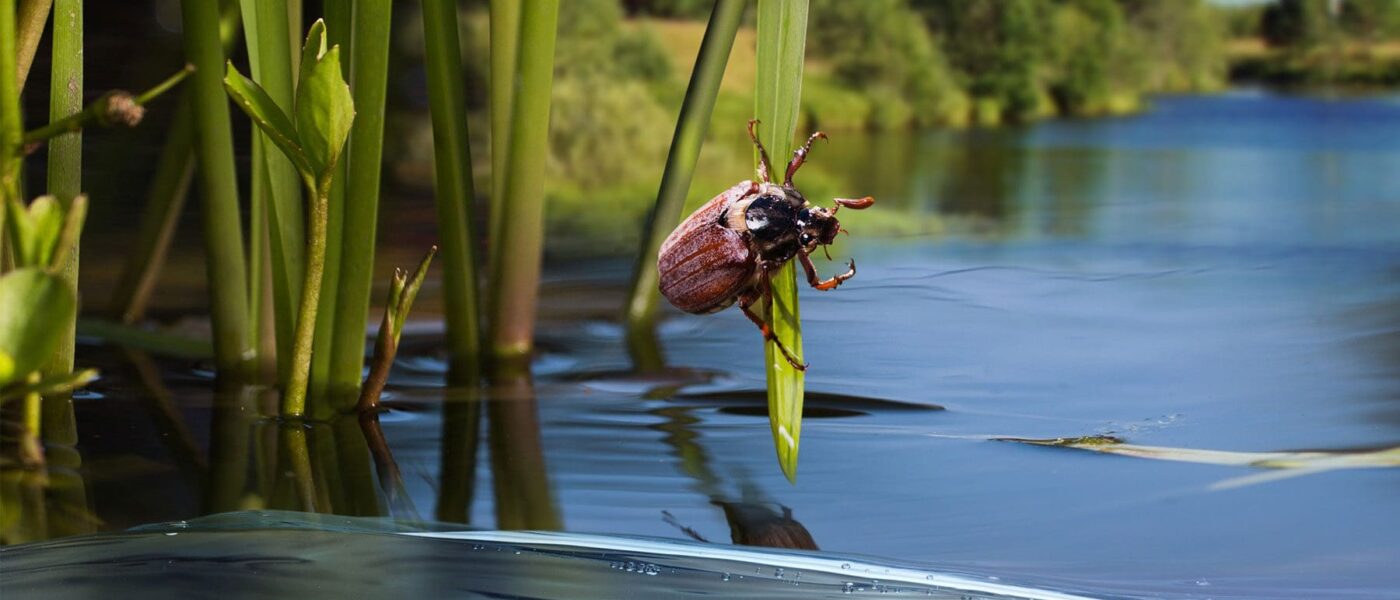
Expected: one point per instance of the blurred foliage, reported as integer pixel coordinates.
(1310, 42)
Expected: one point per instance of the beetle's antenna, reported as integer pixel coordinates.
(826, 251)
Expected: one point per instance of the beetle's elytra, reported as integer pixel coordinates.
(727, 249)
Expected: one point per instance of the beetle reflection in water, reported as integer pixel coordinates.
(728, 249)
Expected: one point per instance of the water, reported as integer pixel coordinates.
(1222, 273)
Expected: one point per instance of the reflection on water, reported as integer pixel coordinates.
(1220, 274)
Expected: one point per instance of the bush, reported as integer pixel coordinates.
(883, 48)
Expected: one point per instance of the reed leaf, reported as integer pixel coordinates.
(452, 166)
(680, 164)
(369, 72)
(65, 168)
(782, 40)
(226, 270)
(505, 56)
(270, 54)
(517, 252)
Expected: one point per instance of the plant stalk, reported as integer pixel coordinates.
(294, 396)
(223, 235)
(517, 252)
(452, 161)
(369, 71)
(65, 177)
(505, 56)
(680, 164)
(270, 54)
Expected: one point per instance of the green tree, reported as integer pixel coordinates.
(996, 45)
(1298, 24)
(882, 45)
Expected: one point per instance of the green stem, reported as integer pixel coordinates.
(65, 177)
(515, 263)
(505, 55)
(294, 396)
(110, 109)
(680, 164)
(447, 99)
(223, 235)
(11, 125)
(369, 72)
(33, 14)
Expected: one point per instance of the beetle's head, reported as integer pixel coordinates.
(819, 227)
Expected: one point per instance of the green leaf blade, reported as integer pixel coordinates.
(35, 308)
(325, 110)
(312, 50)
(269, 118)
(782, 41)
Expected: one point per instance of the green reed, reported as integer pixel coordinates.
(223, 231)
(516, 253)
(505, 55)
(65, 175)
(369, 70)
(680, 164)
(456, 192)
(276, 188)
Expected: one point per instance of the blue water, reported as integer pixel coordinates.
(1219, 273)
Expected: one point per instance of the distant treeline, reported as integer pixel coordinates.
(1318, 42)
(892, 63)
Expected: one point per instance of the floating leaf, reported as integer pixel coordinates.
(1300, 462)
(782, 40)
(35, 307)
(268, 117)
(325, 111)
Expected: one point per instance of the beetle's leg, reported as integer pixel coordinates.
(829, 284)
(764, 165)
(852, 203)
(800, 156)
(747, 301)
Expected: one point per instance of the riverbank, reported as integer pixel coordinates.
(1346, 64)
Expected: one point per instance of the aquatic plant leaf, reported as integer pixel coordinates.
(268, 117)
(36, 230)
(409, 292)
(312, 49)
(325, 111)
(35, 307)
(1300, 462)
(782, 40)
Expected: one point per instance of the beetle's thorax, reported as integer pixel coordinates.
(770, 218)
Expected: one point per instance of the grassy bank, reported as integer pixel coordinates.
(1346, 64)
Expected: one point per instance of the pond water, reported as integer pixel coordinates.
(1221, 273)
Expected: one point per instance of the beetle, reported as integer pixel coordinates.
(728, 249)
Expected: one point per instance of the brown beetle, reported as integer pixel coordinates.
(727, 250)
